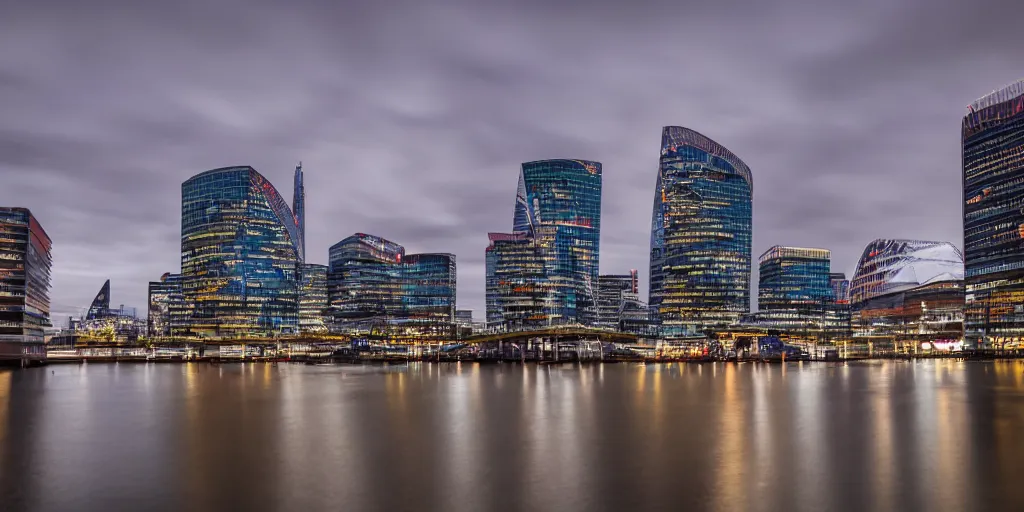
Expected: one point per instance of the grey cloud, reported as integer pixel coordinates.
(412, 118)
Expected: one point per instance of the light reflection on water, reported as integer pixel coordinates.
(932, 435)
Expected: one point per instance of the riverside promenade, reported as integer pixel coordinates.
(541, 353)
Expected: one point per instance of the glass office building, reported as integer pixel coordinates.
(838, 321)
(993, 184)
(613, 291)
(558, 206)
(517, 291)
(312, 298)
(240, 246)
(361, 284)
(375, 288)
(167, 312)
(464, 317)
(908, 288)
(427, 296)
(25, 263)
(700, 235)
(794, 288)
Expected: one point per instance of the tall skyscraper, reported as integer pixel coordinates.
(375, 288)
(312, 298)
(25, 279)
(794, 289)
(700, 235)
(299, 209)
(240, 248)
(993, 174)
(908, 287)
(558, 206)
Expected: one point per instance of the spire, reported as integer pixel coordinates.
(299, 210)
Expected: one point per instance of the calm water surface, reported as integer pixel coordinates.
(899, 436)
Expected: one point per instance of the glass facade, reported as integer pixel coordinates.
(101, 304)
(612, 293)
(464, 317)
(517, 291)
(794, 289)
(993, 182)
(427, 296)
(312, 298)
(635, 317)
(908, 288)
(700, 235)
(558, 205)
(240, 246)
(840, 287)
(167, 313)
(375, 288)
(361, 283)
(838, 322)
(299, 209)
(25, 263)
(464, 322)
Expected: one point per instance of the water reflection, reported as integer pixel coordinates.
(5, 406)
(937, 435)
(731, 435)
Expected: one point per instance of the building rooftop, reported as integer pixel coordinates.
(674, 136)
(781, 251)
(998, 96)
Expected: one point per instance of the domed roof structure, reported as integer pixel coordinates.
(890, 266)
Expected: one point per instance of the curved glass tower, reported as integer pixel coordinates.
(993, 173)
(558, 206)
(700, 235)
(240, 246)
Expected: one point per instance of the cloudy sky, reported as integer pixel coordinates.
(411, 118)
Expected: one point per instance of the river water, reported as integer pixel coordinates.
(879, 436)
